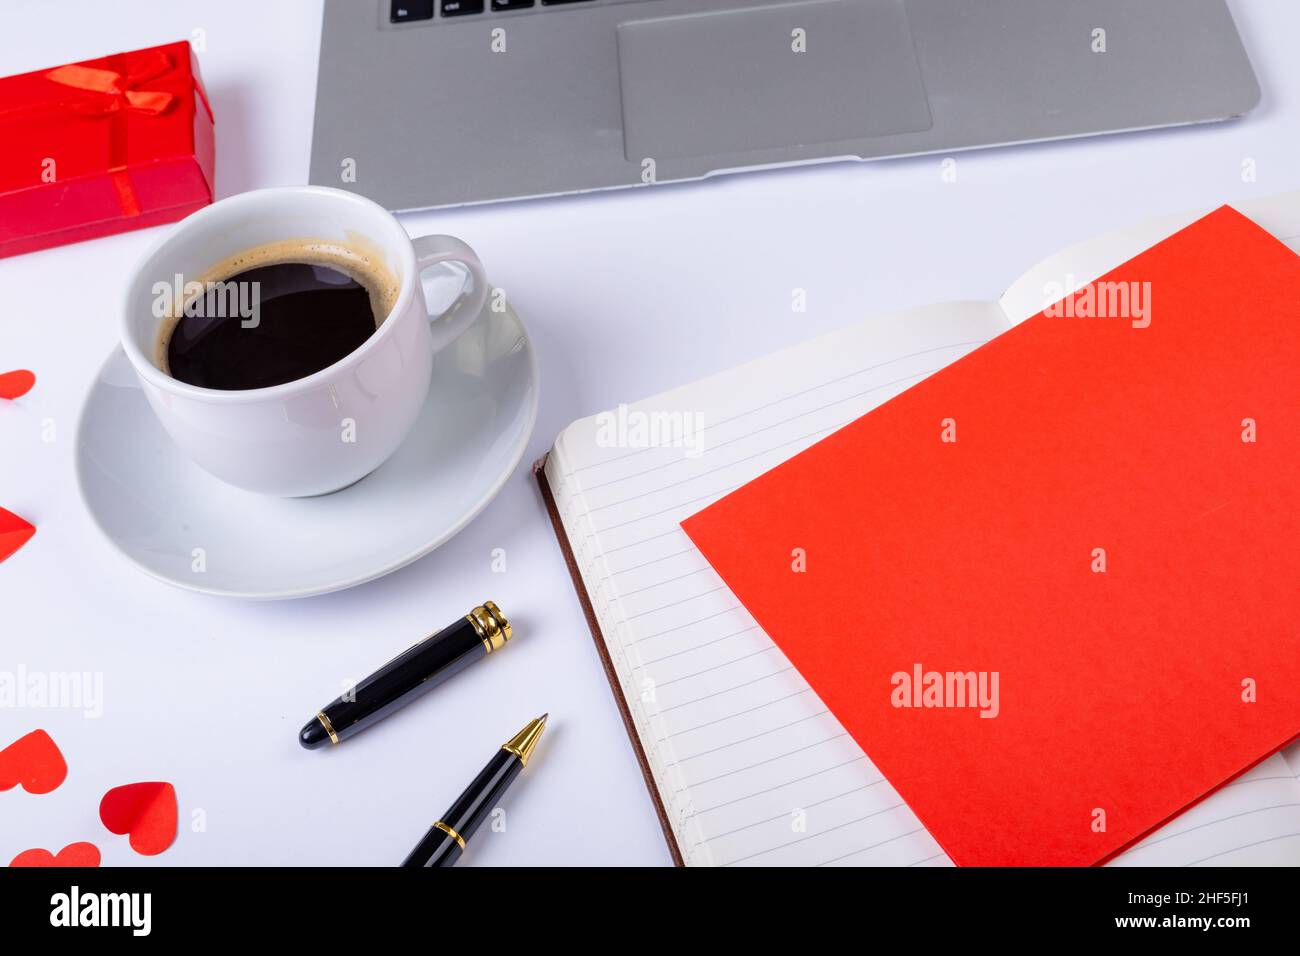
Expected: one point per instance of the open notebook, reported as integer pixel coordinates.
(743, 761)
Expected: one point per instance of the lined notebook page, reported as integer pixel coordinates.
(1252, 821)
(751, 767)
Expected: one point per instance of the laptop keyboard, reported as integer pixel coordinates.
(407, 11)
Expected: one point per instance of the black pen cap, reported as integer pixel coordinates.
(411, 673)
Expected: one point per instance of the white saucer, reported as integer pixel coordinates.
(157, 507)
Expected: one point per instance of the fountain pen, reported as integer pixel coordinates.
(445, 841)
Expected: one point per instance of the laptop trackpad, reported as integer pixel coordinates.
(768, 77)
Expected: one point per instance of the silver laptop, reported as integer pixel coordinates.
(438, 102)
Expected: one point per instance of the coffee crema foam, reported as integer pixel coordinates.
(352, 258)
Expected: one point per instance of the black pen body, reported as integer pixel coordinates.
(408, 675)
(445, 841)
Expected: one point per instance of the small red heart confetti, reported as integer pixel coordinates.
(14, 532)
(16, 384)
(74, 854)
(33, 761)
(147, 811)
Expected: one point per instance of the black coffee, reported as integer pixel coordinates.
(269, 325)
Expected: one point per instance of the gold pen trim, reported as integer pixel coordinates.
(490, 625)
(451, 833)
(524, 743)
(329, 728)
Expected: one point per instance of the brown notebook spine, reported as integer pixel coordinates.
(539, 471)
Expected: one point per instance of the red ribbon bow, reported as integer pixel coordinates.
(118, 89)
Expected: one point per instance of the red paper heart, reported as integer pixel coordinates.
(14, 533)
(147, 811)
(33, 761)
(74, 854)
(16, 384)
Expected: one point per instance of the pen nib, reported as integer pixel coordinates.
(524, 743)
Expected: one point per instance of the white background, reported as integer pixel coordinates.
(625, 294)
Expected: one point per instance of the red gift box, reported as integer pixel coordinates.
(103, 146)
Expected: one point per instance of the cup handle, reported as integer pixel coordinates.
(448, 326)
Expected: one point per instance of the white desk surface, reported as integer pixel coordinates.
(625, 294)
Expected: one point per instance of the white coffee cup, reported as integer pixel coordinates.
(320, 433)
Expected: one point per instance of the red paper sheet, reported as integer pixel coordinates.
(1123, 694)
